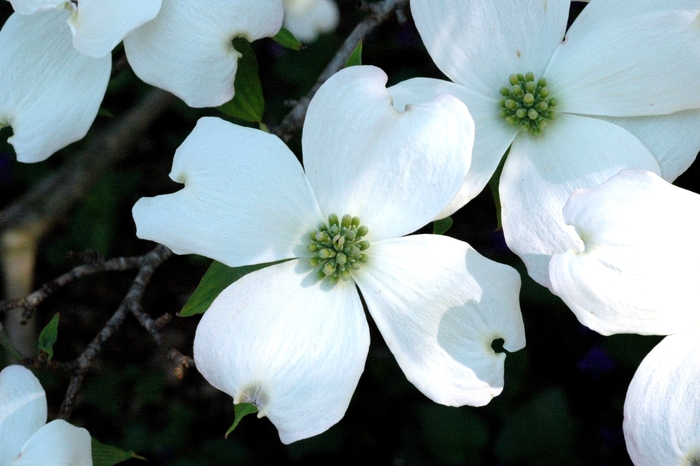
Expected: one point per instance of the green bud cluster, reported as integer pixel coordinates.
(338, 247)
(527, 103)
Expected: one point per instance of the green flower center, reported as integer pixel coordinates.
(527, 103)
(338, 247)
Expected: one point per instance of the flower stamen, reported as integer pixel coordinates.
(338, 247)
(527, 103)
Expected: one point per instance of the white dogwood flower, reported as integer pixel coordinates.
(97, 25)
(637, 269)
(617, 92)
(307, 19)
(25, 438)
(292, 338)
(663, 403)
(50, 93)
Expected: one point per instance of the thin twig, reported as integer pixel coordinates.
(100, 265)
(379, 12)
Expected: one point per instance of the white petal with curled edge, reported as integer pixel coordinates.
(246, 199)
(28, 7)
(306, 19)
(99, 25)
(629, 58)
(395, 170)
(58, 443)
(439, 306)
(479, 43)
(673, 139)
(49, 92)
(22, 410)
(662, 406)
(282, 340)
(540, 174)
(638, 272)
(491, 138)
(187, 48)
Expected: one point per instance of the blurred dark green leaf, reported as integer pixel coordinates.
(355, 57)
(453, 435)
(287, 40)
(216, 279)
(441, 226)
(248, 103)
(241, 410)
(48, 336)
(107, 455)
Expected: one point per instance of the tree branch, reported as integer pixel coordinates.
(379, 12)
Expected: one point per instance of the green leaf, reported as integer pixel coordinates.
(441, 226)
(287, 40)
(355, 57)
(493, 186)
(241, 410)
(48, 336)
(217, 278)
(248, 102)
(107, 455)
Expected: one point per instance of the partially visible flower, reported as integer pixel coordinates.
(662, 406)
(25, 438)
(292, 338)
(50, 93)
(637, 269)
(307, 19)
(616, 93)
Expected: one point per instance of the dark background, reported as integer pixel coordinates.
(564, 393)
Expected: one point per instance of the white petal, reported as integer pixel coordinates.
(58, 443)
(479, 43)
(49, 93)
(187, 49)
(395, 170)
(439, 306)
(663, 404)
(306, 19)
(540, 174)
(28, 7)
(22, 410)
(283, 341)
(629, 58)
(638, 272)
(99, 25)
(673, 139)
(246, 199)
(491, 138)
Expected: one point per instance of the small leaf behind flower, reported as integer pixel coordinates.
(241, 410)
(441, 226)
(248, 102)
(355, 57)
(216, 279)
(107, 455)
(287, 40)
(48, 336)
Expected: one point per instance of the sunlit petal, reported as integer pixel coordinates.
(58, 443)
(287, 343)
(188, 48)
(638, 270)
(246, 199)
(540, 174)
(439, 306)
(396, 170)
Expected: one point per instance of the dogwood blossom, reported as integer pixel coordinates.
(50, 90)
(636, 271)
(25, 438)
(292, 338)
(572, 113)
(307, 19)
(663, 403)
